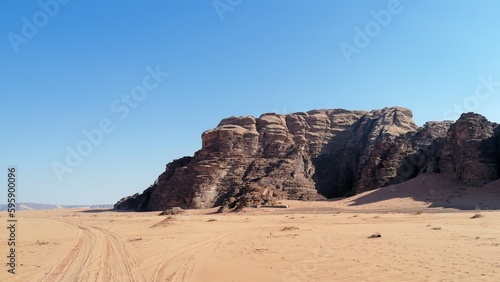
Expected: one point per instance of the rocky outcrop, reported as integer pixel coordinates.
(471, 151)
(320, 154)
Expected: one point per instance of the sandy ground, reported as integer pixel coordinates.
(321, 241)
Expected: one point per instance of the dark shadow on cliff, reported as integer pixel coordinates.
(438, 191)
(346, 156)
(137, 202)
(497, 142)
(337, 165)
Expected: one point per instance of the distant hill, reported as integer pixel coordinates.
(35, 206)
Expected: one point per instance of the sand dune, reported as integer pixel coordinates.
(426, 235)
(430, 191)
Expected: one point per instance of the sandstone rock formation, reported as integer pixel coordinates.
(320, 154)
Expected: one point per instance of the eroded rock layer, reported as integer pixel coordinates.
(320, 154)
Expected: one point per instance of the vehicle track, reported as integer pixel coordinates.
(179, 264)
(97, 255)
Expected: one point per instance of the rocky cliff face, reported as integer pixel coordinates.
(320, 154)
(471, 151)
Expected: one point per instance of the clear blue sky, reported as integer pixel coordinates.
(258, 56)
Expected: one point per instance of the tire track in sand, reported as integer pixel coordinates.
(180, 264)
(98, 255)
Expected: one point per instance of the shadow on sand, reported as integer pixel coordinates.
(100, 211)
(438, 191)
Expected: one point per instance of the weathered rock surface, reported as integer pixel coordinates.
(320, 154)
(471, 151)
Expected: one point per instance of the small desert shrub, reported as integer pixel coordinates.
(436, 228)
(212, 220)
(172, 211)
(375, 235)
(289, 228)
(478, 213)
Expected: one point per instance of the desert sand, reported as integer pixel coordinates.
(425, 235)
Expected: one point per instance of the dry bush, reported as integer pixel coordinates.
(478, 213)
(375, 235)
(289, 228)
(172, 211)
(41, 243)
